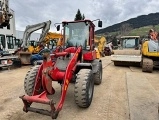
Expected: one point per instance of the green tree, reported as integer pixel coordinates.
(79, 16)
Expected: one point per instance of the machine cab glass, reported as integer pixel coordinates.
(76, 34)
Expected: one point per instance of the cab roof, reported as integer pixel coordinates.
(130, 36)
(77, 21)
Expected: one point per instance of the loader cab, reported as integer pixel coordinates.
(52, 43)
(18, 43)
(7, 43)
(33, 43)
(77, 34)
(80, 33)
(130, 42)
(10, 41)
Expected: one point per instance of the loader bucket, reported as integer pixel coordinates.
(25, 57)
(126, 57)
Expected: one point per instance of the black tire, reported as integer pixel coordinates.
(147, 65)
(29, 80)
(34, 62)
(84, 88)
(98, 74)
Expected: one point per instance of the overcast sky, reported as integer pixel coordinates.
(28, 12)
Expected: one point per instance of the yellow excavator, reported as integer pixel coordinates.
(150, 53)
(51, 39)
(100, 42)
(25, 51)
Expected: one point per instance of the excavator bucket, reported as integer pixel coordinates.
(25, 57)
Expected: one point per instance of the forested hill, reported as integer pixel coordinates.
(140, 21)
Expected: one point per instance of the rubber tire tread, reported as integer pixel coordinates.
(81, 91)
(147, 65)
(97, 80)
(29, 80)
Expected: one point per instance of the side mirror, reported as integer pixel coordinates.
(99, 23)
(58, 27)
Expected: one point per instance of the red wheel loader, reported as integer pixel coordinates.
(76, 62)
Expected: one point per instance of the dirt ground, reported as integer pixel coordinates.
(110, 100)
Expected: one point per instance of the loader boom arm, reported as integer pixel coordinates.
(45, 26)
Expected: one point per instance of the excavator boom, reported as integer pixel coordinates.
(24, 54)
(45, 26)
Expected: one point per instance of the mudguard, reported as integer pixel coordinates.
(83, 65)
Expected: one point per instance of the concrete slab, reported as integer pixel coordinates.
(142, 97)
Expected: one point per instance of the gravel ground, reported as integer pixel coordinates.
(110, 101)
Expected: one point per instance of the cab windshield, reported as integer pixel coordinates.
(2, 41)
(130, 42)
(10, 42)
(76, 34)
(33, 43)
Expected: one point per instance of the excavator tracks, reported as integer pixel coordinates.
(147, 65)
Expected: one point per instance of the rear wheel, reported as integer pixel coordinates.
(147, 65)
(98, 74)
(84, 88)
(29, 80)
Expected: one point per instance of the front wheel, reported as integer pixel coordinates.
(84, 88)
(29, 81)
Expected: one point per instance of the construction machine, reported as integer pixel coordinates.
(76, 62)
(50, 40)
(5, 14)
(53, 39)
(128, 52)
(7, 36)
(25, 51)
(100, 42)
(108, 50)
(7, 28)
(150, 54)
